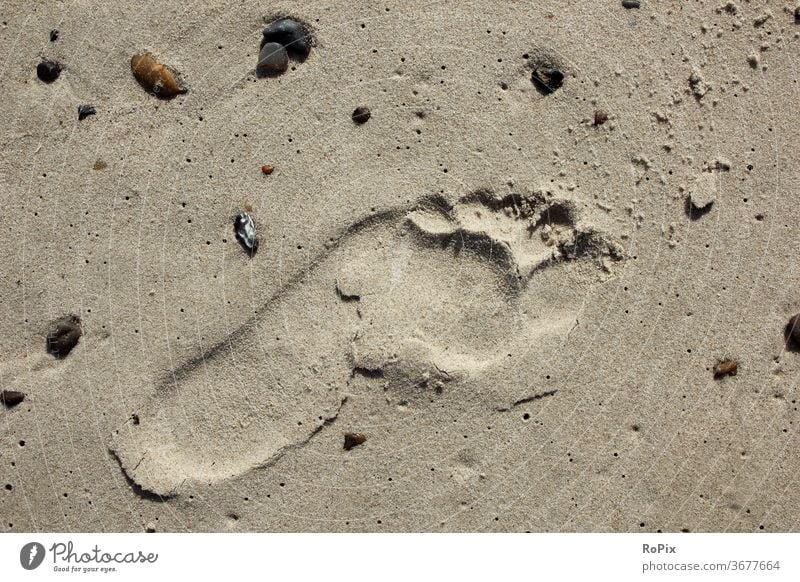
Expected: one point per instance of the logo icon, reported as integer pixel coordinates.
(31, 555)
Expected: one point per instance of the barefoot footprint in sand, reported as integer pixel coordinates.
(420, 296)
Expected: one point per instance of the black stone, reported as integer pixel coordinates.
(11, 398)
(272, 60)
(291, 34)
(631, 3)
(53, 35)
(85, 111)
(361, 115)
(48, 71)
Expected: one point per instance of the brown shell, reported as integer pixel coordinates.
(158, 79)
(726, 368)
(353, 439)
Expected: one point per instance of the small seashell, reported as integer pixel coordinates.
(361, 115)
(272, 60)
(158, 79)
(48, 71)
(85, 111)
(10, 398)
(726, 368)
(353, 439)
(63, 335)
(294, 36)
(246, 232)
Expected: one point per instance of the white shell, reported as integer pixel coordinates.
(246, 231)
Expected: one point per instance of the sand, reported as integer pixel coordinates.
(517, 293)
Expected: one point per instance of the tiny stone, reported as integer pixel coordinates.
(11, 397)
(797, 15)
(267, 169)
(48, 71)
(63, 335)
(793, 332)
(294, 36)
(631, 3)
(85, 111)
(272, 60)
(353, 439)
(100, 165)
(361, 115)
(726, 368)
(53, 35)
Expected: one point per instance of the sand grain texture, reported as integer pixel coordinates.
(520, 307)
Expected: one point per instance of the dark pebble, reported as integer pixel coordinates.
(361, 115)
(797, 15)
(53, 35)
(63, 335)
(793, 332)
(48, 71)
(631, 3)
(547, 81)
(272, 60)
(11, 398)
(85, 111)
(353, 439)
(291, 34)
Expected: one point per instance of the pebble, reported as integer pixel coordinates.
(797, 15)
(272, 60)
(156, 78)
(793, 331)
(353, 439)
(267, 169)
(246, 232)
(53, 35)
(48, 71)
(726, 368)
(361, 115)
(631, 3)
(85, 111)
(11, 398)
(294, 36)
(63, 335)
(547, 80)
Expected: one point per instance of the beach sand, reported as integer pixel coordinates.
(515, 291)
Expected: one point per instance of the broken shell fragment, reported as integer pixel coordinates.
(63, 335)
(246, 232)
(353, 439)
(158, 79)
(11, 398)
(85, 111)
(546, 80)
(294, 36)
(272, 60)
